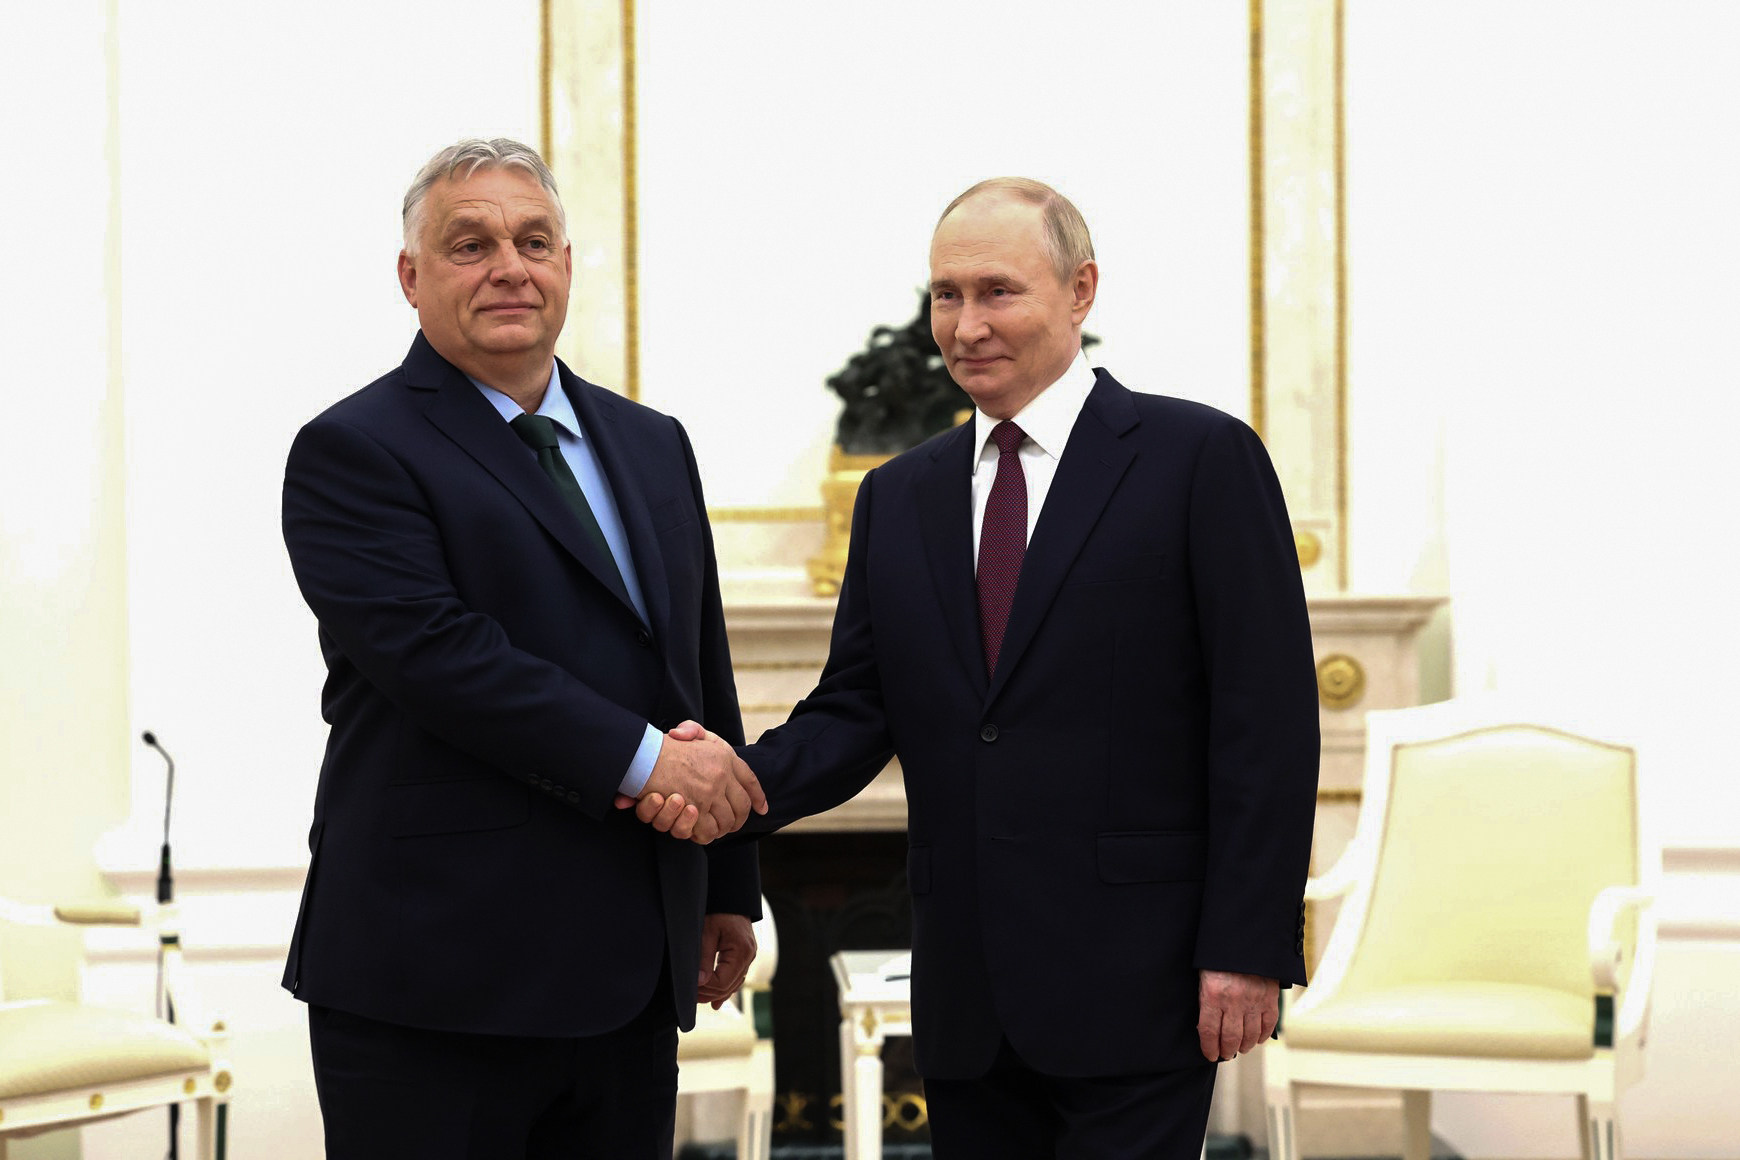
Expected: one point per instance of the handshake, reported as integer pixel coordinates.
(699, 789)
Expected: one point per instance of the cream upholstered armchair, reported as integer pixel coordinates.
(64, 1064)
(1495, 933)
(731, 1049)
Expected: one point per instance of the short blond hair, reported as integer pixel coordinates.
(1067, 242)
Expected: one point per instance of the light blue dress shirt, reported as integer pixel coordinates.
(582, 460)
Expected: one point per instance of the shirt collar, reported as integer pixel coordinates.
(1049, 416)
(557, 406)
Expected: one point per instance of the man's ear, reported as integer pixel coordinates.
(1083, 286)
(408, 277)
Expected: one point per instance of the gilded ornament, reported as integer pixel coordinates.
(906, 1111)
(1309, 547)
(839, 493)
(1340, 681)
(97, 1101)
(793, 1105)
(221, 1081)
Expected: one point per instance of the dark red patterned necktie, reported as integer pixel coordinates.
(1002, 540)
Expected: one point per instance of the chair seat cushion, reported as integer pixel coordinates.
(724, 1032)
(1493, 1020)
(52, 1047)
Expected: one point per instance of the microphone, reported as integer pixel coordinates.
(168, 941)
(165, 879)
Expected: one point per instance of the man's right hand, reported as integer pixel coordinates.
(699, 780)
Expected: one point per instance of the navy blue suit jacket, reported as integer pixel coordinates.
(1129, 797)
(488, 684)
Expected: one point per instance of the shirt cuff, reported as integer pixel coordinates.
(642, 766)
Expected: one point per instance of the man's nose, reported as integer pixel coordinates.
(971, 325)
(508, 267)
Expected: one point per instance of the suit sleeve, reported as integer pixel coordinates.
(836, 739)
(370, 562)
(734, 870)
(1262, 729)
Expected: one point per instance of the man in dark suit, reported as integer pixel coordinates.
(1079, 622)
(517, 593)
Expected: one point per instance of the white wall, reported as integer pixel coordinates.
(62, 604)
(1542, 245)
(265, 152)
(794, 157)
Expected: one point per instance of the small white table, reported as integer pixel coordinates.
(875, 1002)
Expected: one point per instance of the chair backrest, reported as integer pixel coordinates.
(1490, 842)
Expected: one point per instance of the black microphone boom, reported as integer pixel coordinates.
(166, 895)
(165, 877)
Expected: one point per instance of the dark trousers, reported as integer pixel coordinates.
(1015, 1113)
(401, 1093)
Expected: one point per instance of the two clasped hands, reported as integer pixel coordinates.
(699, 789)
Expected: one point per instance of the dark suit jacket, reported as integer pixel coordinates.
(487, 689)
(1129, 798)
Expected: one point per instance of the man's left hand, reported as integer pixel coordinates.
(727, 949)
(1237, 1012)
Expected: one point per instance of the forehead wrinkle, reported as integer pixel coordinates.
(484, 213)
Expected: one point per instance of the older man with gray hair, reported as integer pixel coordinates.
(517, 596)
(1078, 620)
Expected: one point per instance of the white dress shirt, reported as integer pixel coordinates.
(1046, 421)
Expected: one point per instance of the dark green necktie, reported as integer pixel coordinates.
(539, 434)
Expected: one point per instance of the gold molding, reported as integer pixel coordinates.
(815, 666)
(1259, 313)
(766, 515)
(765, 709)
(1340, 681)
(546, 84)
(628, 110)
(1339, 797)
(1340, 148)
(630, 214)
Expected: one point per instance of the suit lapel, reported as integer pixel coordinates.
(597, 409)
(465, 416)
(1087, 475)
(946, 523)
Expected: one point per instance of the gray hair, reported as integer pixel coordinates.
(459, 161)
(1066, 238)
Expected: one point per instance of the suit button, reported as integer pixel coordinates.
(988, 733)
(573, 797)
(643, 638)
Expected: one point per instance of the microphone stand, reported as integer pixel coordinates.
(168, 928)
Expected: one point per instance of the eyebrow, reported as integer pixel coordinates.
(463, 222)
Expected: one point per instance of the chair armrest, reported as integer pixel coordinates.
(1341, 877)
(104, 912)
(1605, 954)
(94, 912)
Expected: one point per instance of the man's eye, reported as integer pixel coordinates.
(470, 247)
(537, 244)
(941, 295)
